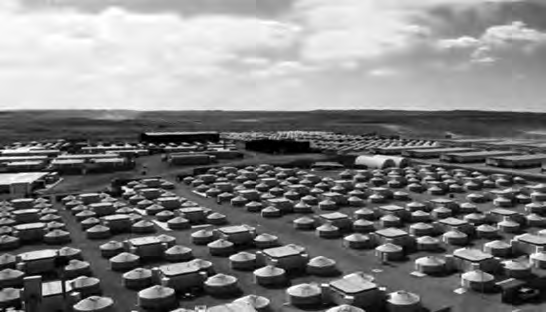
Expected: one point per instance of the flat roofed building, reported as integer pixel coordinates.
(288, 257)
(355, 289)
(393, 235)
(436, 152)
(528, 243)
(179, 137)
(471, 157)
(467, 259)
(22, 183)
(517, 161)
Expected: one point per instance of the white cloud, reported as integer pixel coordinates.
(497, 40)
(384, 72)
(47, 58)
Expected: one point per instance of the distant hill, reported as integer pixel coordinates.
(125, 124)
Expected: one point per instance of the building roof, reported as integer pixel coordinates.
(532, 239)
(21, 177)
(284, 251)
(38, 255)
(142, 241)
(453, 221)
(353, 284)
(234, 229)
(521, 157)
(391, 208)
(334, 216)
(179, 133)
(179, 268)
(391, 232)
(472, 255)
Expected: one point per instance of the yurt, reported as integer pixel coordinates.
(328, 230)
(271, 212)
(430, 265)
(498, 248)
(403, 301)
(517, 269)
(178, 253)
(428, 243)
(57, 237)
(254, 206)
(478, 280)
(322, 266)
(221, 248)
(243, 261)
(487, 231)
(95, 304)
(508, 226)
(157, 298)
(389, 252)
(421, 229)
(455, 237)
(202, 237)
(420, 216)
(98, 232)
(535, 220)
(376, 198)
(363, 226)
(345, 308)
(11, 278)
(266, 240)
(138, 278)
(77, 268)
(178, 223)
(216, 218)
(441, 212)
(538, 259)
(8, 261)
(124, 261)
(310, 200)
(143, 227)
(304, 223)
(80, 216)
(259, 303)
(302, 207)
(358, 241)
(221, 285)
(415, 187)
(502, 201)
(475, 218)
(66, 254)
(270, 276)
(365, 213)
(86, 286)
(10, 297)
(111, 248)
(327, 204)
(164, 216)
(536, 207)
(304, 295)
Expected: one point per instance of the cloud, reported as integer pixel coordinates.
(122, 56)
(497, 40)
(384, 72)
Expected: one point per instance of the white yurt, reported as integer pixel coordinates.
(216, 218)
(266, 240)
(498, 248)
(259, 303)
(86, 286)
(11, 278)
(202, 237)
(10, 297)
(455, 237)
(345, 308)
(178, 253)
(178, 223)
(304, 223)
(77, 268)
(221, 285)
(478, 280)
(428, 243)
(138, 278)
(538, 259)
(403, 301)
(157, 298)
(304, 295)
(328, 230)
(321, 266)
(517, 269)
(221, 248)
(270, 276)
(363, 226)
(243, 261)
(365, 213)
(95, 304)
(143, 226)
(111, 248)
(98, 231)
(358, 241)
(430, 265)
(389, 252)
(124, 261)
(487, 231)
(8, 261)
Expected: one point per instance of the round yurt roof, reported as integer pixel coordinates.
(85, 281)
(304, 290)
(220, 243)
(345, 308)
(75, 264)
(304, 220)
(220, 280)
(242, 257)
(7, 258)
(517, 265)
(327, 227)
(265, 237)
(486, 228)
(138, 273)
(93, 303)
(111, 245)
(430, 261)
(156, 292)
(498, 244)
(202, 233)
(421, 226)
(454, 233)
(427, 240)
(357, 237)
(403, 298)
(125, 257)
(269, 270)
(8, 294)
(321, 261)
(254, 301)
(178, 249)
(478, 276)
(388, 247)
(10, 274)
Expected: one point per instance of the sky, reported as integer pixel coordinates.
(273, 54)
